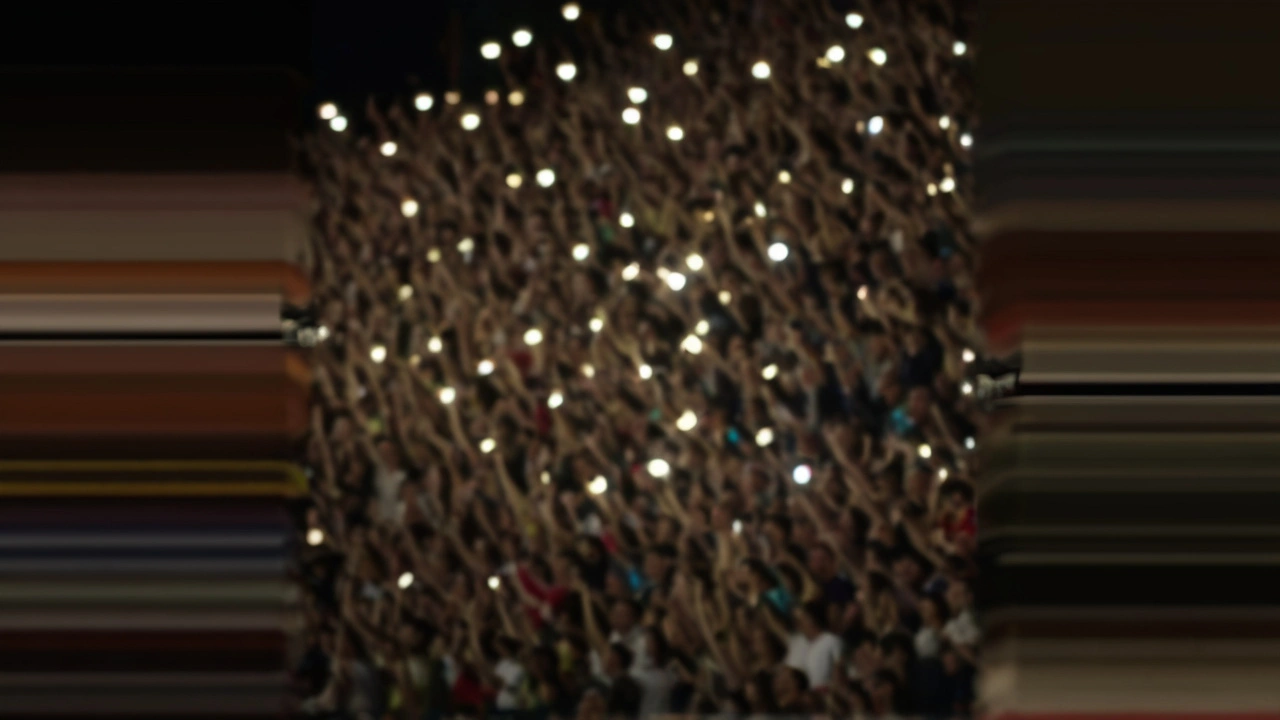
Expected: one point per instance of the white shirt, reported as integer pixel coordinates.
(928, 641)
(511, 673)
(388, 489)
(962, 629)
(655, 689)
(817, 657)
(635, 642)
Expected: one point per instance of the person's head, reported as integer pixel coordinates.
(789, 684)
(959, 596)
(803, 532)
(884, 689)
(658, 562)
(623, 615)
(765, 645)
(896, 652)
(618, 661)
(389, 453)
(918, 402)
(907, 570)
(889, 386)
(592, 706)
(758, 692)
(934, 611)
(777, 528)
(811, 618)
(822, 562)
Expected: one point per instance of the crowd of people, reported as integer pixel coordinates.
(641, 386)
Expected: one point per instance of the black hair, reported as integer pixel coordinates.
(625, 656)
(817, 611)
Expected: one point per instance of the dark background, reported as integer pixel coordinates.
(344, 49)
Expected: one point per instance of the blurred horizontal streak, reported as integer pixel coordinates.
(134, 192)
(148, 590)
(103, 566)
(1150, 215)
(134, 620)
(155, 514)
(168, 489)
(206, 278)
(205, 360)
(72, 539)
(190, 411)
(1120, 558)
(142, 314)
(12, 680)
(101, 443)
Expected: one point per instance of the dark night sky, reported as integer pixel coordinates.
(346, 48)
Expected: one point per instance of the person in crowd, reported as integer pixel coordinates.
(641, 382)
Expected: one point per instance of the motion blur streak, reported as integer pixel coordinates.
(149, 401)
(1128, 504)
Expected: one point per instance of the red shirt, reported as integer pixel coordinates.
(966, 524)
(549, 594)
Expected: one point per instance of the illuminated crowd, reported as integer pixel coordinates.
(641, 381)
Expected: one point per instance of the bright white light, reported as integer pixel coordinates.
(453, 97)
(631, 116)
(690, 67)
(968, 355)
(835, 54)
(328, 111)
(784, 177)
(966, 140)
(581, 252)
(387, 149)
(764, 438)
(378, 353)
(470, 121)
(862, 292)
(725, 297)
(769, 372)
(466, 245)
(646, 372)
(694, 261)
(658, 467)
(802, 474)
(409, 207)
(875, 125)
(571, 11)
(487, 445)
(545, 477)
(959, 48)
(944, 122)
(966, 387)
(630, 272)
(663, 273)
(598, 485)
(924, 451)
(405, 292)
(853, 20)
(322, 332)
(406, 579)
(970, 443)
(687, 421)
(737, 527)
(878, 56)
(932, 189)
(485, 367)
(692, 345)
(533, 337)
(761, 70)
(946, 185)
(491, 50)
(637, 95)
(521, 38)
(588, 370)
(626, 220)
(943, 473)
(846, 186)
(675, 133)
(433, 255)
(338, 123)
(663, 41)
(761, 210)
(555, 399)
(702, 328)
(315, 536)
(424, 101)
(448, 395)
(494, 582)
(778, 252)
(676, 281)
(595, 324)
(566, 71)
(435, 345)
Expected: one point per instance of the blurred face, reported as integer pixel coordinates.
(615, 586)
(821, 564)
(805, 623)
(958, 596)
(655, 566)
(804, 533)
(784, 684)
(929, 612)
(621, 617)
